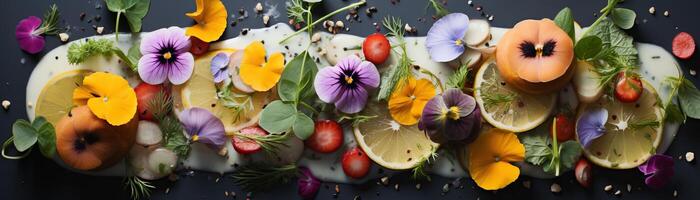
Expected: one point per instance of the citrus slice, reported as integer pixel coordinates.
(390, 144)
(504, 106)
(633, 131)
(201, 91)
(56, 98)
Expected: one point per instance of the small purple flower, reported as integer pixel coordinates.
(346, 83)
(166, 56)
(204, 127)
(307, 184)
(219, 67)
(451, 117)
(591, 125)
(444, 39)
(29, 36)
(661, 169)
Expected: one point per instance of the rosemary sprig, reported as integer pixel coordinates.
(398, 75)
(356, 120)
(419, 170)
(440, 10)
(137, 187)
(161, 105)
(49, 24)
(256, 177)
(498, 98)
(271, 144)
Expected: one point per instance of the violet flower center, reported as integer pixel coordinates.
(168, 55)
(349, 79)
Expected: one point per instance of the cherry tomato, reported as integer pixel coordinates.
(144, 95)
(564, 127)
(198, 46)
(376, 48)
(628, 88)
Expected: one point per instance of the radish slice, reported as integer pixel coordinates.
(162, 161)
(138, 161)
(478, 32)
(148, 133)
(234, 68)
(586, 82)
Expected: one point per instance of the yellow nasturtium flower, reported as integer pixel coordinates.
(211, 20)
(256, 72)
(407, 102)
(490, 157)
(108, 96)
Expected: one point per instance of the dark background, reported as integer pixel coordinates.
(38, 178)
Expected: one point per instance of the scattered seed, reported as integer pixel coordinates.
(629, 188)
(396, 187)
(692, 72)
(491, 18)
(316, 37)
(82, 16)
(233, 194)
(479, 8)
(167, 190)
(339, 24)
(99, 30)
(266, 19)
(618, 193)
(666, 13)
(328, 24)
(689, 156)
(446, 188)
(556, 188)
(652, 10)
(337, 188)
(409, 28)
(418, 186)
(384, 180)
(258, 7)
(608, 188)
(675, 193)
(6, 104)
(64, 37)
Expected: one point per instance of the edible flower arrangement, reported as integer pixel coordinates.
(502, 106)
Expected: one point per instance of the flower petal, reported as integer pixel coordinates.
(661, 169)
(489, 156)
(327, 84)
(219, 67)
(24, 33)
(208, 129)
(254, 54)
(352, 100)
(211, 16)
(368, 75)
(181, 69)
(151, 70)
(591, 125)
(112, 98)
(442, 37)
(433, 116)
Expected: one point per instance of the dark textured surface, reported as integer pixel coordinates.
(38, 178)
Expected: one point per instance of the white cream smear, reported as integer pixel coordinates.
(656, 65)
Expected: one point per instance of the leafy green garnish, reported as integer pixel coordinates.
(440, 10)
(297, 80)
(459, 78)
(357, 119)
(137, 187)
(49, 24)
(239, 103)
(623, 17)
(25, 135)
(418, 170)
(297, 12)
(588, 47)
(133, 10)
(79, 52)
(280, 117)
(174, 138)
(540, 150)
(565, 21)
(256, 177)
(397, 75)
(688, 97)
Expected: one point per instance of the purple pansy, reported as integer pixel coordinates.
(166, 56)
(660, 169)
(346, 83)
(444, 39)
(204, 127)
(307, 184)
(451, 117)
(29, 36)
(219, 67)
(591, 125)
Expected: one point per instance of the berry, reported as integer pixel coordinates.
(355, 163)
(327, 137)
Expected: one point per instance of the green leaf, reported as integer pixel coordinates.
(565, 21)
(46, 136)
(569, 153)
(135, 14)
(459, 77)
(297, 78)
(303, 126)
(673, 114)
(119, 5)
(689, 98)
(537, 150)
(25, 135)
(623, 17)
(616, 41)
(134, 55)
(588, 47)
(278, 117)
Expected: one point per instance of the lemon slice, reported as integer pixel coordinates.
(390, 144)
(505, 107)
(56, 98)
(201, 91)
(630, 138)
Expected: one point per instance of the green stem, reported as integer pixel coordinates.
(7, 144)
(605, 11)
(309, 107)
(310, 26)
(555, 151)
(116, 27)
(124, 58)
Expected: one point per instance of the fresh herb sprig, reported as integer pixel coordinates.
(257, 177)
(271, 144)
(239, 103)
(440, 10)
(79, 52)
(49, 24)
(173, 136)
(26, 134)
(419, 170)
(356, 120)
(544, 150)
(137, 187)
(133, 10)
(298, 12)
(688, 98)
(398, 74)
(460, 77)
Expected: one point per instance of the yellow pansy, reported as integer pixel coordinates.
(255, 72)
(108, 96)
(490, 157)
(211, 20)
(407, 102)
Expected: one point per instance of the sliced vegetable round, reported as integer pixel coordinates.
(683, 45)
(628, 88)
(245, 145)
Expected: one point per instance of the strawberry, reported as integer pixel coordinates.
(246, 146)
(355, 163)
(683, 45)
(198, 47)
(564, 127)
(582, 171)
(628, 87)
(327, 137)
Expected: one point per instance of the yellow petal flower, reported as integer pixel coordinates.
(211, 20)
(258, 74)
(490, 156)
(108, 96)
(407, 102)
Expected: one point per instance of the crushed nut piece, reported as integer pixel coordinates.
(608, 188)
(396, 187)
(328, 24)
(99, 30)
(339, 24)
(266, 19)
(675, 193)
(258, 7)
(6, 104)
(666, 13)
(384, 180)
(556, 188)
(689, 156)
(629, 188)
(652, 10)
(418, 186)
(446, 188)
(618, 193)
(316, 37)
(64, 37)
(337, 188)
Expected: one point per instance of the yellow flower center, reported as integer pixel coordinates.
(348, 79)
(105, 99)
(167, 55)
(539, 49)
(458, 42)
(453, 113)
(195, 138)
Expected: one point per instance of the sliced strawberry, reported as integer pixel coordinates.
(144, 95)
(198, 47)
(583, 171)
(246, 146)
(565, 127)
(327, 137)
(355, 163)
(628, 88)
(683, 45)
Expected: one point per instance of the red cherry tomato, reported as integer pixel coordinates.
(376, 48)
(565, 128)
(628, 88)
(683, 45)
(355, 163)
(327, 137)
(583, 172)
(198, 47)
(144, 95)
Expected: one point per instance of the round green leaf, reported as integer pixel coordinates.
(278, 117)
(623, 17)
(303, 126)
(25, 135)
(588, 47)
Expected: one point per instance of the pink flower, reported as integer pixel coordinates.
(29, 36)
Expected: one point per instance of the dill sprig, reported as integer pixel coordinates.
(257, 177)
(356, 120)
(138, 188)
(498, 98)
(161, 105)
(271, 144)
(440, 10)
(398, 74)
(459, 77)
(79, 52)
(239, 103)
(49, 24)
(173, 137)
(419, 170)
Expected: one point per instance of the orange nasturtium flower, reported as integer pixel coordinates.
(255, 72)
(407, 102)
(211, 20)
(490, 157)
(108, 96)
